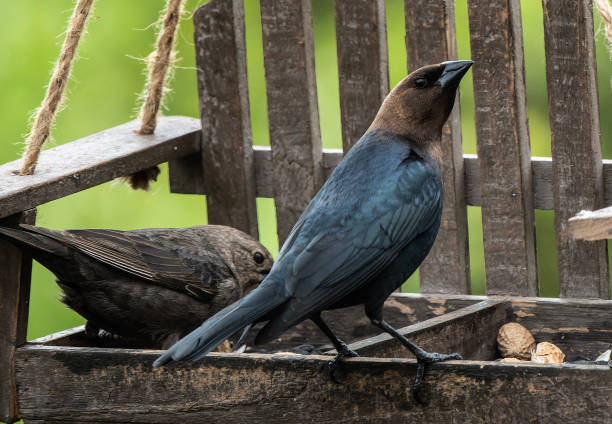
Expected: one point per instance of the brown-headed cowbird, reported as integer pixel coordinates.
(366, 231)
(153, 285)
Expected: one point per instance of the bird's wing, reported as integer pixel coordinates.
(361, 244)
(135, 254)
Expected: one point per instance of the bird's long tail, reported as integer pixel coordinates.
(36, 243)
(225, 323)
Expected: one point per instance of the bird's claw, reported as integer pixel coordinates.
(334, 365)
(423, 359)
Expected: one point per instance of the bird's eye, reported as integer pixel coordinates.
(420, 83)
(258, 257)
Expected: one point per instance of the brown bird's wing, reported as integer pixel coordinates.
(134, 254)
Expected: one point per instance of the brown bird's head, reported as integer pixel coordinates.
(249, 260)
(419, 105)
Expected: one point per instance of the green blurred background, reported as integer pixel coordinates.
(108, 76)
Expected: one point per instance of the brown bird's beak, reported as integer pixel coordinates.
(453, 72)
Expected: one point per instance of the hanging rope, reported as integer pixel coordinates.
(45, 115)
(159, 64)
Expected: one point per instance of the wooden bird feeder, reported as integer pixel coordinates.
(63, 378)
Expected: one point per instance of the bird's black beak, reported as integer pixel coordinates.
(453, 72)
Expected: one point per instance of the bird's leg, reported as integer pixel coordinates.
(341, 347)
(91, 330)
(423, 357)
(237, 347)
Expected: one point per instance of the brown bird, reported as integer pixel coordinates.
(151, 285)
(366, 231)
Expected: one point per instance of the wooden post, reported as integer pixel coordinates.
(430, 38)
(292, 107)
(362, 64)
(576, 144)
(227, 146)
(506, 186)
(15, 273)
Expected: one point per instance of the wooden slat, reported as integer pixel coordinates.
(592, 225)
(15, 272)
(362, 64)
(579, 327)
(292, 107)
(470, 331)
(430, 38)
(224, 108)
(116, 385)
(575, 142)
(503, 147)
(191, 183)
(95, 159)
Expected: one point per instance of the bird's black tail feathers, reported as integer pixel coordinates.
(36, 243)
(225, 323)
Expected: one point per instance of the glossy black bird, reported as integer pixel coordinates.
(364, 233)
(152, 285)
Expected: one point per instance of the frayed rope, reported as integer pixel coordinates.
(43, 121)
(159, 64)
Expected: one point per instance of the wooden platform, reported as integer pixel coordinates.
(59, 382)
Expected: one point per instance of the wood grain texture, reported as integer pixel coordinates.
(506, 186)
(362, 64)
(470, 331)
(581, 328)
(541, 170)
(575, 142)
(430, 38)
(15, 272)
(591, 225)
(116, 385)
(94, 160)
(227, 152)
(292, 108)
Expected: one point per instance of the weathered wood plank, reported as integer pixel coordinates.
(541, 169)
(118, 385)
(470, 331)
(95, 159)
(506, 185)
(227, 152)
(591, 225)
(581, 328)
(292, 107)
(362, 64)
(575, 143)
(15, 272)
(430, 38)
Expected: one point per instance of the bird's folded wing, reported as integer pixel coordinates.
(337, 262)
(136, 255)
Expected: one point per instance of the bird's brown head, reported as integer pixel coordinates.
(249, 260)
(252, 262)
(420, 104)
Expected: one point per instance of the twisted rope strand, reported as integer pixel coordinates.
(159, 63)
(45, 115)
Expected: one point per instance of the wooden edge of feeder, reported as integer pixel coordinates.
(52, 339)
(95, 159)
(470, 331)
(592, 225)
(119, 385)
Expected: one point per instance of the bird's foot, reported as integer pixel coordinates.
(334, 365)
(423, 359)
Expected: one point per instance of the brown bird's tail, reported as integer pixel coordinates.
(226, 322)
(36, 243)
